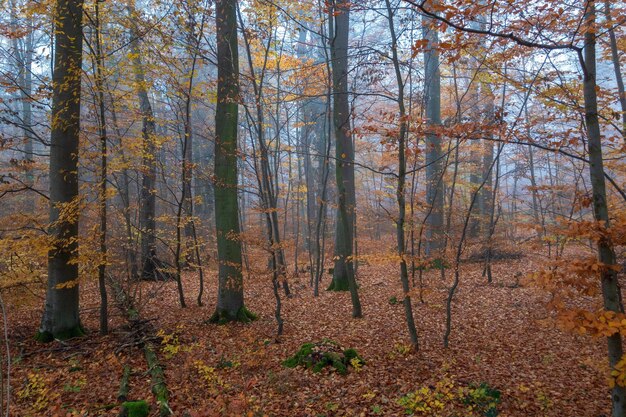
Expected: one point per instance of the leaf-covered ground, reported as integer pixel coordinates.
(502, 335)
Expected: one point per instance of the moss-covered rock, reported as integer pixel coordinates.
(316, 356)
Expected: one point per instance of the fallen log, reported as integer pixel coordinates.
(142, 333)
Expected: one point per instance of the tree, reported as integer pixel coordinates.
(61, 318)
(230, 303)
(606, 254)
(434, 156)
(147, 199)
(400, 191)
(616, 65)
(343, 273)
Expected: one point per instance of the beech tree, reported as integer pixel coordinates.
(434, 156)
(343, 273)
(606, 253)
(474, 137)
(230, 301)
(61, 318)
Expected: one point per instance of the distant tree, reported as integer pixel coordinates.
(147, 198)
(434, 156)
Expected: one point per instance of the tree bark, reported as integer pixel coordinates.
(61, 312)
(434, 160)
(230, 300)
(606, 254)
(343, 273)
(147, 198)
(102, 128)
(400, 191)
(616, 65)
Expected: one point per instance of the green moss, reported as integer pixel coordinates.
(223, 316)
(44, 337)
(338, 285)
(317, 356)
(350, 354)
(47, 337)
(136, 408)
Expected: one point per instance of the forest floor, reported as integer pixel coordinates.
(502, 335)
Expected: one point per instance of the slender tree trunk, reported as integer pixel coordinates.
(61, 312)
(102, 127)
(434, 160)
(267, 185)
(147, 199)
(606, 254)
(124, 190)
(616, 65)
(400, 191)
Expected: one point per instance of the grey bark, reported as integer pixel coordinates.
(343, 273)
(102, 197)
(400, 191)
(616, 65)
(611, 291)
(434, 160)
(230, 298)
(61, 311)
(147, 198)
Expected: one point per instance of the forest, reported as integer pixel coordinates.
(312, 208)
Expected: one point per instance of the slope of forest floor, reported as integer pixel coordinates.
(502, 336)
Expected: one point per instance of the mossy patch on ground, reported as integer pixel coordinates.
(136, 408)
(316, 356)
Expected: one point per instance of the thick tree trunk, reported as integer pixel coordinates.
(61, 313)
(230, 302)
(606, 255)
(343, 273)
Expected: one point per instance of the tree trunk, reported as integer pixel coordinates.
(61, 312)
(147, 198)
(606, 255)
(102, 128)
(434, 160)
(400, 191)
(616, 65)
(230, 302)
(343, 273)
